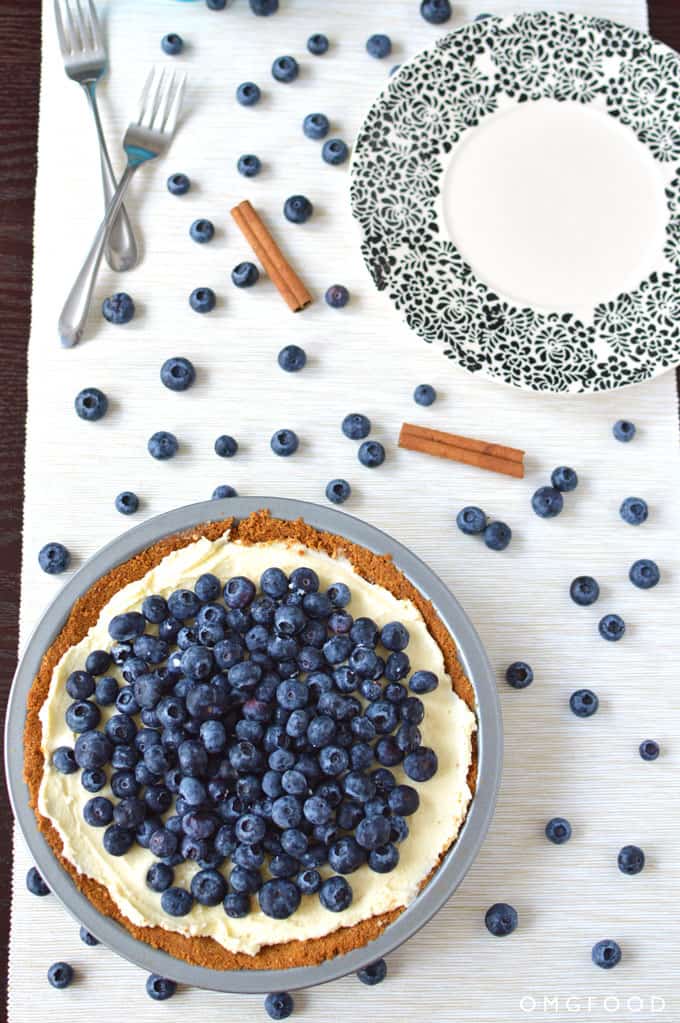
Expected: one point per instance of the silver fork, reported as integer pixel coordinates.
(146, 138)
(82, 47)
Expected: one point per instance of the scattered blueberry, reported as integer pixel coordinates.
(584, 703)
(337, 297)
(634, 510)
(160, 988)
(317, 44)
(558, 830)
(60, 975)
(202, 231)
(248, 94)
(264, 8)
(612, 627)
(225, 446)
(249, 165)
(584, 590)
(222, 491)
(337, 491)
(292, 358)
(564, 479)
(631, 859)
(519, 675)
(334, 152)
(202, 300)
(285, 69)
(436, 11)
(623, 430)
(118, 308)
(244, 275)
(35, 883)
(649, 749)
(172, 44)
(501, 919)
(425, 394)
(127, 503)
(177, 373)
(371, 454)
(644, 574)
(379, 46)
(284, 442)
(297, 209)
(471, 520)
(215, 5)
(87, 938)
(316, 126)
(356, 426)
(178, 184)
(547, 502)
(606, 954)
(278, 1005)
(53, 558)
(91, 404)
(497, 536)
(374, 973)
(163, 445)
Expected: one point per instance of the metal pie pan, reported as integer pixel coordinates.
(453, 867)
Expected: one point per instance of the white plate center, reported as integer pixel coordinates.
(555, 205)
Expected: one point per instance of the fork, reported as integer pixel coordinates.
(145, 139)
(82, 48)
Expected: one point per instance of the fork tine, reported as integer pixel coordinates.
(145, 95)
(173, 107)
(158, 96)
(84, 27)
(64, 41)
(76, 41)
(95, 27)
(161, 102)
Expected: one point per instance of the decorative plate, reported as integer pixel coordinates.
(518, 192)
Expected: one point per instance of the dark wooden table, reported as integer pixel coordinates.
(19, 85)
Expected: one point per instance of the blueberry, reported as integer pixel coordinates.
(176, 901)
(118, 840)
(547, 502)
(583, 703)
(87, 938)
(309, 881)
(564, 479)
(371, 833)
(497, 536)
(248, 94)
(64, 761)
(79, 685)
(471, 520)
(98, 812)
(371, 454)
(337, 297)
(160, 988)
(35, 883)
(285, 69)
(334, 152)
(118, 308)
(649, 749)
(172, 44)
(264, 8)
(60, 975)
(202, 231)
(335, 894)
(97, 662)
(292, 358)
(127, 502)
(222, 491)
(644, 574)
(584, 590)
(317, 44)
(249, 165)
(425, 394)
(279, 1005)
(337, 491)
(379, 46)
(178, 184)
(436, 11)
(374, 973)
(606, 954)
(623, 430)
(501, 919)
(208, 887)
(53, 558)
(394, 636)
(127, 626)
(202, 300)
(297, 209)
(558, 830)
(162, 445)
(278, 898)
(631, 859)
(177, 373)
(423, 682)
(225, 446)
(284, 443)
(155, 609)
(634, 511)
(93, 780)
(612, 627)
(383, 859)
(519, 675)
(422, 764)
(316, 126)
(236, 905)
(244, 275)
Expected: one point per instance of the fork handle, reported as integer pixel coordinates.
(77, 305)
(121, 248)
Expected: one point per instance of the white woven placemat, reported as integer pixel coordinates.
(363, 359)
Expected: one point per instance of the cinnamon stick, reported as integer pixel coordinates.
(269, 254)
(469, 451)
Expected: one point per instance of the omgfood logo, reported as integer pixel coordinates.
(555, 1004)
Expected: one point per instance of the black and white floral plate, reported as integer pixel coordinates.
(432, 107)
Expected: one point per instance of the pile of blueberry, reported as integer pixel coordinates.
(257, 733)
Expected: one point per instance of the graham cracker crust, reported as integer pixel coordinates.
(258, 527)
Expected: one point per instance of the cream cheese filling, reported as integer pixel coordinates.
(447, 727)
